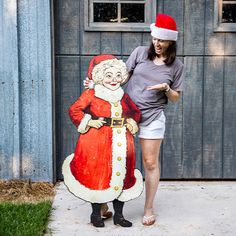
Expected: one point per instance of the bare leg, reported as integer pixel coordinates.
(150, 153)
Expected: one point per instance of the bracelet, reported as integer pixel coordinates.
(167, 90)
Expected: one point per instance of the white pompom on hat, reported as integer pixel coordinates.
(164, 28)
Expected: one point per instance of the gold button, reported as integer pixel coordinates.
(119, 144)
(116, 188)
(118, 173)
(116, 104)
(117, 113)
(119, 158)
(118, 131)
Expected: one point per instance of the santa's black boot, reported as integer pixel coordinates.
(118, 216)
(95, 217)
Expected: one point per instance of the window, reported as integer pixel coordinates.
(119, 15)
(225, 16)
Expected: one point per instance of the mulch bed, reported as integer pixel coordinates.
(22, 191)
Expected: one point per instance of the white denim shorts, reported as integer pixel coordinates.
(155, 130)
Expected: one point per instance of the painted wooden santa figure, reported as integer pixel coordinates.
(102, 169)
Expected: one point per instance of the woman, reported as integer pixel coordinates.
(156, 76)
(102, 168)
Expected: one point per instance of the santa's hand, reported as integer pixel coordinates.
(88, 83)
(96, 123)
(132, 126)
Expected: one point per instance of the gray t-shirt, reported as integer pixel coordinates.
(146, 73)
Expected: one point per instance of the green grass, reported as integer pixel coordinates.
(25, 219)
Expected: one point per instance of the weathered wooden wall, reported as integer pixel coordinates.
(9, 93)
(201, 128)
(26, 138)
(200, 140)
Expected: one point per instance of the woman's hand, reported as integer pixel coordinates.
(88, 83)
(172, 95)
(162, 87)
(96, 123)
(132, 126)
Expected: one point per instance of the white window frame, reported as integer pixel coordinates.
(218, 25)
(150, 16)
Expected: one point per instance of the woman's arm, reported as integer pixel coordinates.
(172, 95)
(129, 75)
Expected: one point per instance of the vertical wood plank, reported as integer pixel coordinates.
(130, 41)
(194, 27)
(229, 147)
(192, 118)
(9, 92)
(147, 39)
(67, 25)
(214, 42)
(111, 43)
(90, 41)
(160, 6)
(138, 163)
(175, 8)
(68, 90)
(84, 70)
(36, 89)
(172, 144)
(230, 44)
(171, 153)
(212, 117)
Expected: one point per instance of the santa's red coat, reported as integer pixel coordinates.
(104, 158)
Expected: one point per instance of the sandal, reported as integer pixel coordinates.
(149, 220)
(105, 213)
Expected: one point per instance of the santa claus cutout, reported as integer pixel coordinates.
(102, 169)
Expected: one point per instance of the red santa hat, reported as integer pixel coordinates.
(96, 60)
(164, 28)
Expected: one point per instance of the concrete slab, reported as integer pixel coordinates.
(182, 208)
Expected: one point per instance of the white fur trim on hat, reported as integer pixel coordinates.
(164, 34)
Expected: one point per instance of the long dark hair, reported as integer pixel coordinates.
(170, 53)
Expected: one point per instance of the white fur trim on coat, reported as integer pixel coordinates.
(83, 128)
(87, 194)
(135, 191)
(164, 34)
(108, 94)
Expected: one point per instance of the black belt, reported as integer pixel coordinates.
(112, 121)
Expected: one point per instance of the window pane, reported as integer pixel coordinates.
(131, 12)
(105, 12)
(229, 13)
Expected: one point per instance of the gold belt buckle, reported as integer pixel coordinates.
(117, 122)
